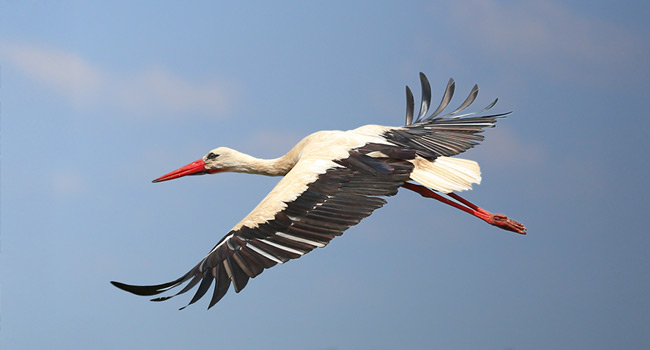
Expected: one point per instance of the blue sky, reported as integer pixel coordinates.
(98, 100)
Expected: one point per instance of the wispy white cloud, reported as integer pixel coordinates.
(65, 73)
(549, 36)
(154, 90)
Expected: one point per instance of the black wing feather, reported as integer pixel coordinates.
(221, 286)
(410, 106)
(426, 96)
(447, 135)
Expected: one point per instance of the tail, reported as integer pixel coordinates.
(445, 174)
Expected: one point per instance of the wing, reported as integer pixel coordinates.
(445, 135)
(348, 191)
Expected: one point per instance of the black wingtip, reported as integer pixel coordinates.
(144, 290)
(125, 287)
(137, 290)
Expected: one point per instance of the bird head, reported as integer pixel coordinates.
(218, 160)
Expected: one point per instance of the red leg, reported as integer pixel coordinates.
(463, 200)
(498, 220)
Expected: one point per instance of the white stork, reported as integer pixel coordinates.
(331, 181)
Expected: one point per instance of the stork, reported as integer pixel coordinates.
(331, 180)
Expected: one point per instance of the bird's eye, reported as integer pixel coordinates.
(212, 155)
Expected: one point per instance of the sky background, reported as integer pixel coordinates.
(99, 99)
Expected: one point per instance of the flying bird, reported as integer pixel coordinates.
(331, 180)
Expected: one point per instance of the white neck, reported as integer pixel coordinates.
(270, 167)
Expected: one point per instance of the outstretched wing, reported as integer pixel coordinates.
(445, 135)
(349, 190)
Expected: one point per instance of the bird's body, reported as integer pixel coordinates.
(302, 165)
(331, 181)
(316, 153)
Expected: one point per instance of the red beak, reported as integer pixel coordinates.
(194, 168)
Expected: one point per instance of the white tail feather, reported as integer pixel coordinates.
(446, 174)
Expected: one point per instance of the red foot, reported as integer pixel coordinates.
(503, 222)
